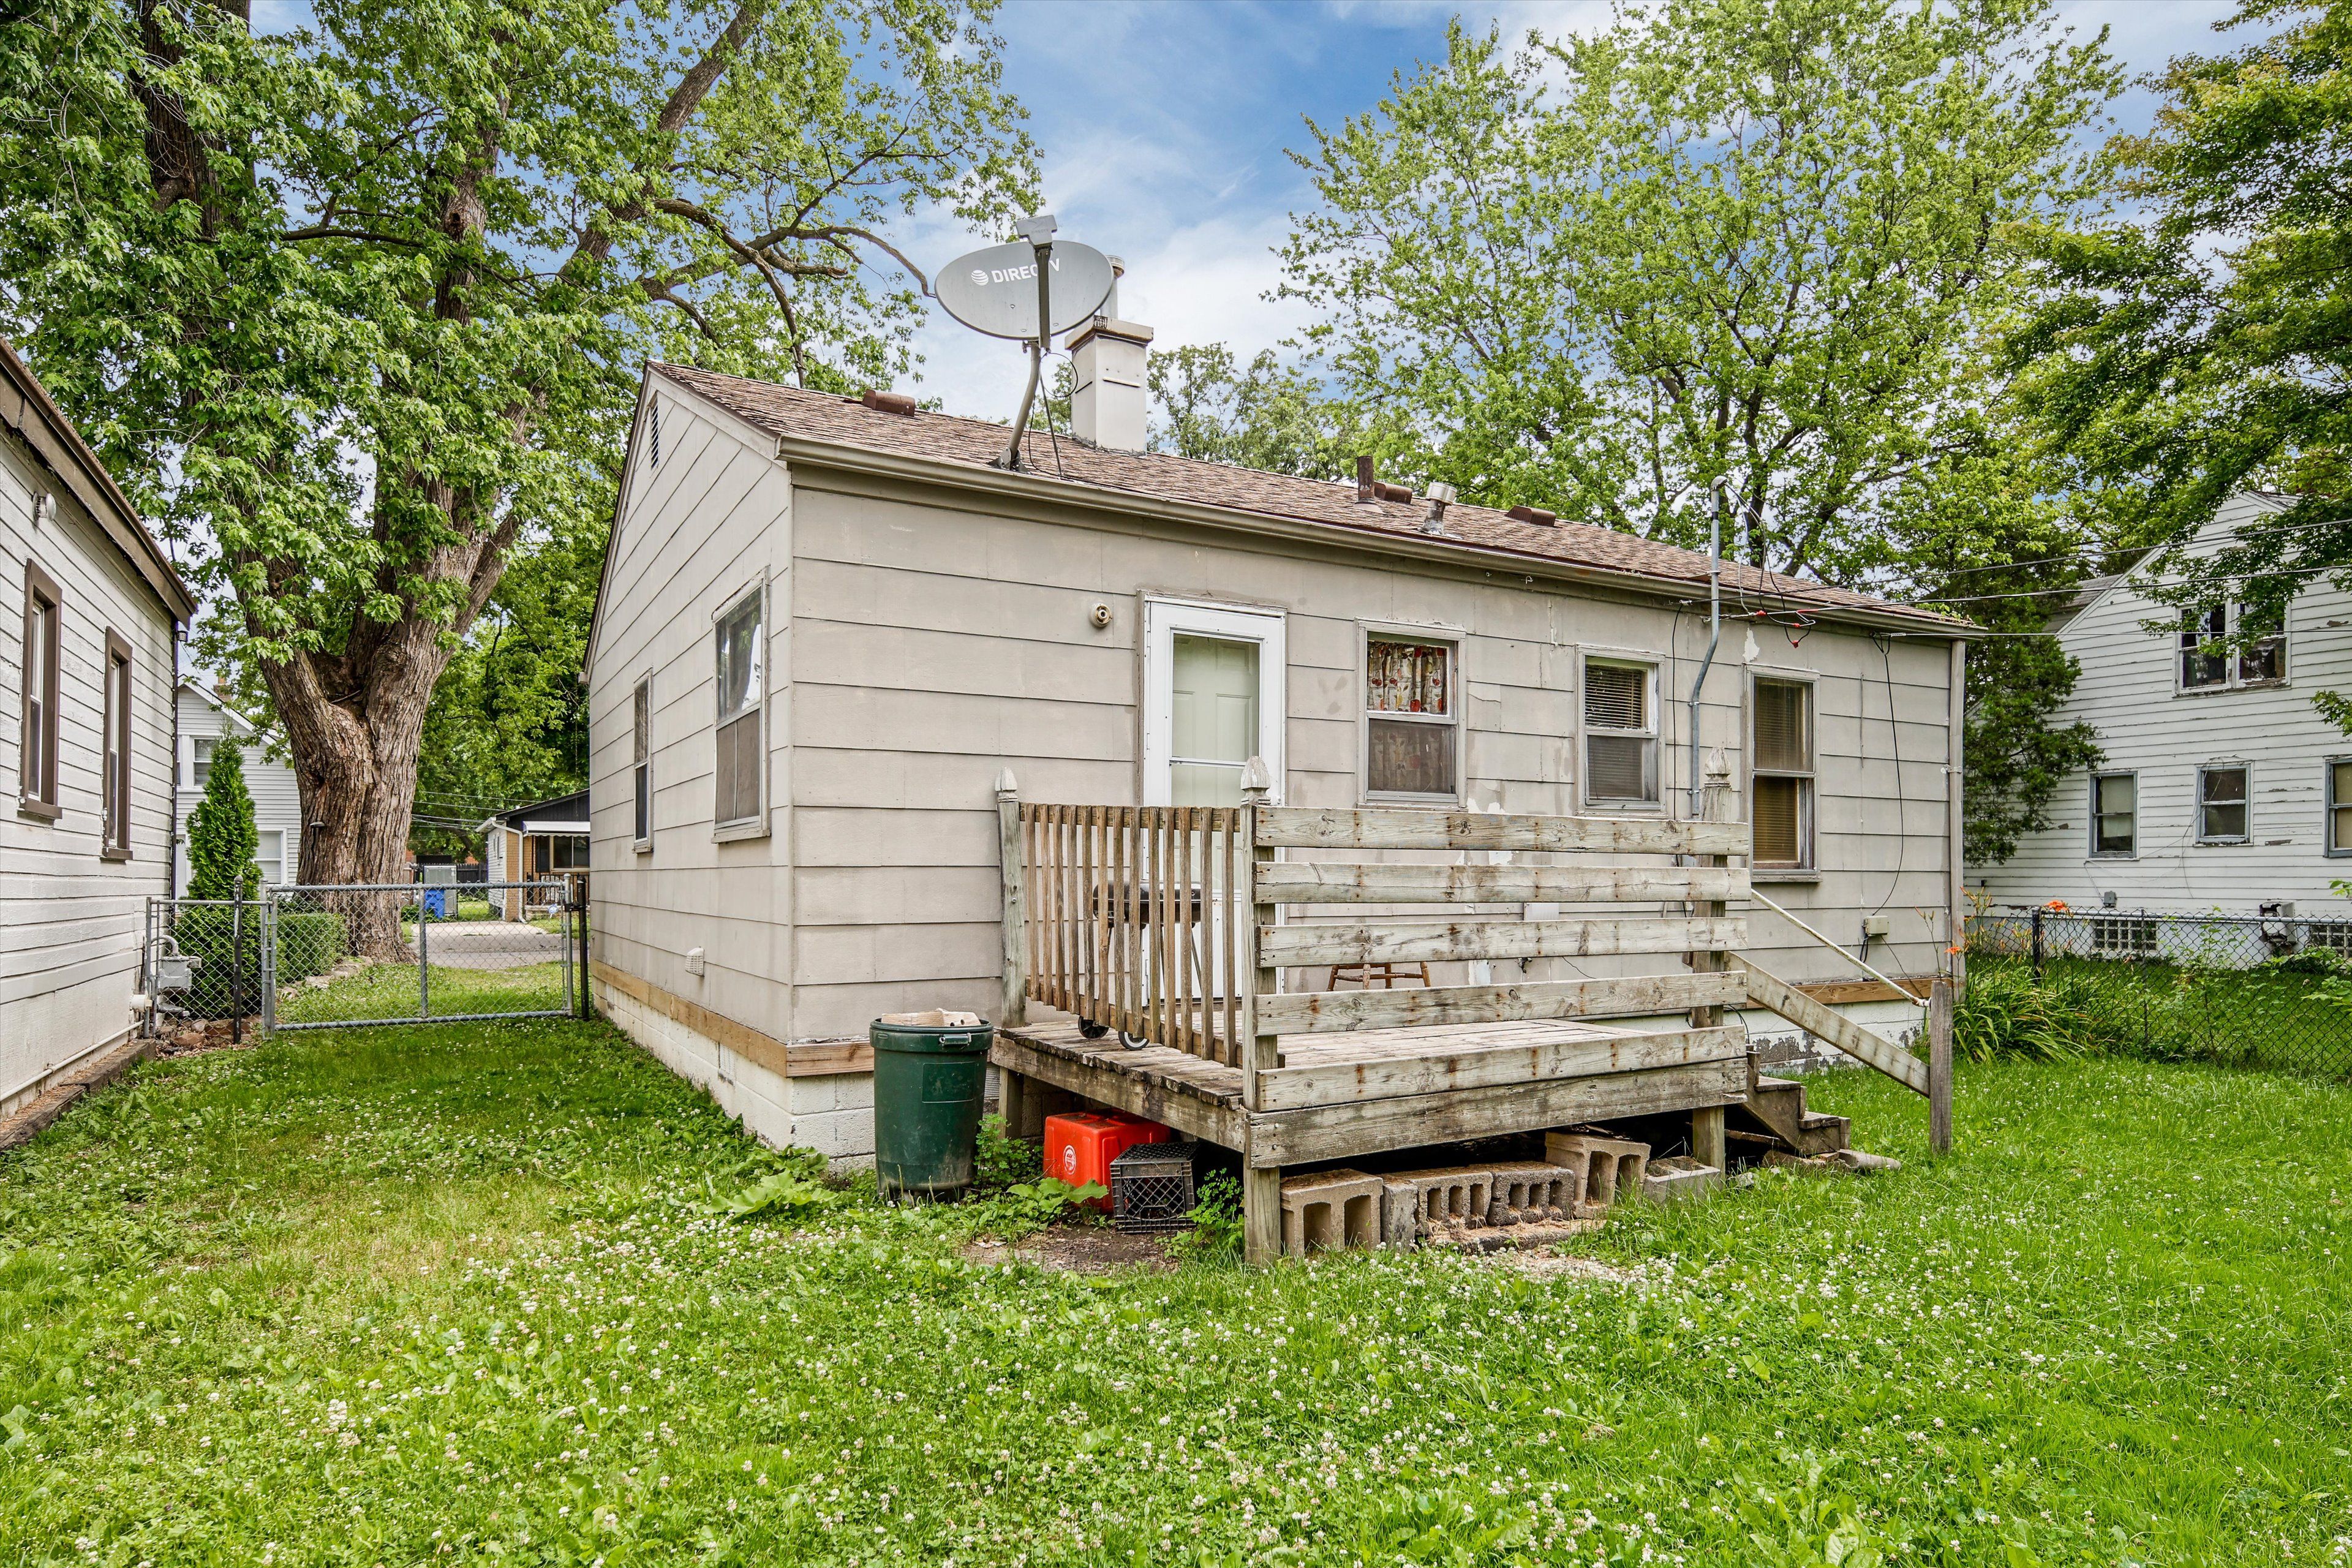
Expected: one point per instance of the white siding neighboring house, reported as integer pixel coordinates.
(2222, 787)
(86, 750)
(205, 718)
(827, 625)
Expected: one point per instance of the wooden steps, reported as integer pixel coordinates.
(1778, 1106)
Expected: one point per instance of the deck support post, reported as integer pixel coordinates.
(1013, 1006)
(1706, 1136)
(1020, 1103)
(1261, 1214)
(1261, 1189)
(1939, 1065)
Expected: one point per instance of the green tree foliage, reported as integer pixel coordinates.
(222, 839)
(1757, 241)
(510, 719)
(355, 310)
(1265, 415)
(2207, 346)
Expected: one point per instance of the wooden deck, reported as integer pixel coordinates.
(1338, 1098)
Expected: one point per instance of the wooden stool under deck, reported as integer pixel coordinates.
(1386, 975)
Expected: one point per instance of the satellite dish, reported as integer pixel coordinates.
(995, 290)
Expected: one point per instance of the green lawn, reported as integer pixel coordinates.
(458, 1294)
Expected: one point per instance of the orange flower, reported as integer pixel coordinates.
(2057, 906)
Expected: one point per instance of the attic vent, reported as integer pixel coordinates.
(1534, 514)
(1384, 490)
(899, 403)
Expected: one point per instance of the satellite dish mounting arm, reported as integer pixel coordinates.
(1039, 232)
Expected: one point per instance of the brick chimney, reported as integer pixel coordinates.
(1111, 401)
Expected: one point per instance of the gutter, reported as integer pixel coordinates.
(825, 455)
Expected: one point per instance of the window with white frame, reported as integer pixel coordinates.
(2222, 804)
(2262, 653)
(1413, 729)
(2340, 806)
(641, 765)
(742, 749)
(2204, 659)
(200, 764)
(270, 854)
(1780, 780)
(1620, 732)
(2114, 814)
(2207, 661)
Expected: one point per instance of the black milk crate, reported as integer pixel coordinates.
(1151, 1189)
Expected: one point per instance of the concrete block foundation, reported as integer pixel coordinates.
(832, 1113)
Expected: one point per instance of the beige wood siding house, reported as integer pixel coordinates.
(87, 667)
(781, 858)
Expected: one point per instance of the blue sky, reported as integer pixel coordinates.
(1164, 126)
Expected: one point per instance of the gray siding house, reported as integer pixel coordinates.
(86, 755)
(206, 720)
(2222, 788)
(827, 626)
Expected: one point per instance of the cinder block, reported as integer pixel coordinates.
(1671, 1180)
(1330, 1209)
(1609, 1168)
(1531, 1193)
(1453, 1199)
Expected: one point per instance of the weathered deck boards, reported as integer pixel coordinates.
(1337, 1097)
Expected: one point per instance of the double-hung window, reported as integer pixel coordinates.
(2222, 804)
(36, 756)
(1782, 779)
(1620, 733)
(2114, 814)
(2207, 662)
(2340, 806)
(1412, 726)
(114, 749)
(742, 750)
(641, 765)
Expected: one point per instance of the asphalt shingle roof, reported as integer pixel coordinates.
(975, 444)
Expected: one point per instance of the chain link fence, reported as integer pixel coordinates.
(2244, 990)
(323, 957)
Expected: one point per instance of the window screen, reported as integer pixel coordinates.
(1621, 746)
(1411, 737)
(739, 748)
(2222, 803)
(1781, 811)
(2114, 814)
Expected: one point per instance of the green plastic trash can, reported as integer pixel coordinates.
(928, 1082)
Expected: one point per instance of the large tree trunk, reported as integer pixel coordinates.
(356, 762)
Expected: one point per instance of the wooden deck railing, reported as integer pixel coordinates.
(1135, 916)
(1162, 921)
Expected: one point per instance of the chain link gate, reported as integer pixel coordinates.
(318, 957)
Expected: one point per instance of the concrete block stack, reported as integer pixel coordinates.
(1609, 1168)
(1329, 1210)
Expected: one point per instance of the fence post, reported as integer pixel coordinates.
(1013, 1002)
(237, 963)
(2037, 942)
(1939, 1065)
(587, 1006)
(423, 960)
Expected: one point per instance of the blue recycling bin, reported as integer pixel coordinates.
(440, 903)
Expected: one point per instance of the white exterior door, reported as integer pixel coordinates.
(1214, 684)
